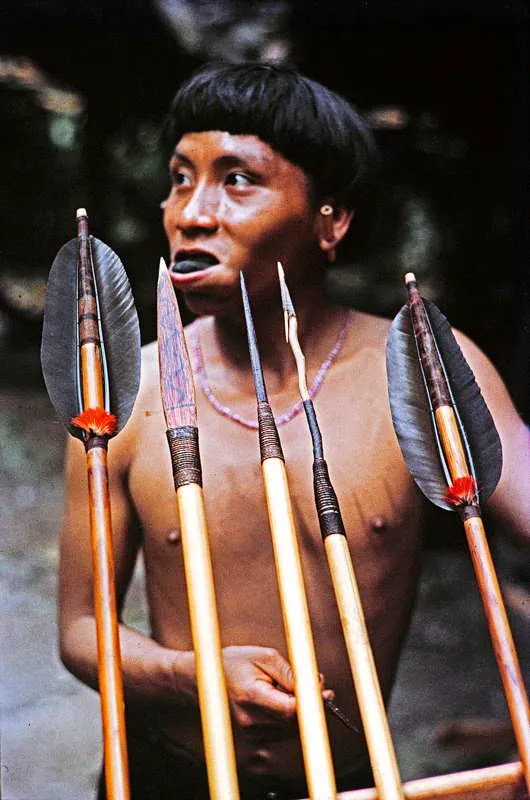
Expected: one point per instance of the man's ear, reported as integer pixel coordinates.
(334, 224)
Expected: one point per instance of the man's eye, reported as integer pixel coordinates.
(180, 178)
(239, 179)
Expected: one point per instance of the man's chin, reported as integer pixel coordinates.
(203, 304)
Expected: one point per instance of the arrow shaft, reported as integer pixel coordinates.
(109, 663)
(316, 750)
(299, 637)
(371, 706)
(433, 371)
(362, 664)
(105, 607)
(217, 733)
(91, 366)
(178, 400)
(211, 685)
(501, 636)
(369, 697)
(451, 441)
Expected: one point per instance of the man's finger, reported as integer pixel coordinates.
(274, 700)
(277, 668)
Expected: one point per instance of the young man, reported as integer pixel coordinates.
(258, 151)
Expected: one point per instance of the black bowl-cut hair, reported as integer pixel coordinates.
(302, 120)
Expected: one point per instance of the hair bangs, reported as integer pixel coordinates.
(306, 123)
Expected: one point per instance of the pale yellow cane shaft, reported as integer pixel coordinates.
(92, 376)
(309, 705)
(211, 684)
(501, 636)
(109, 664)
(451, 442)
(369, 697)
(503, 782)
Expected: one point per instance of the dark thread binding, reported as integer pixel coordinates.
(314, 430)
(185, 457)
(89, 340)
(326, 500)
(434, 374)
(269, 440)
(96, 441)
(468, 512)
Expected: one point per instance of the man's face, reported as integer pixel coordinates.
(236, 204)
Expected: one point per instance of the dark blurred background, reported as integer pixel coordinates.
(84, 89)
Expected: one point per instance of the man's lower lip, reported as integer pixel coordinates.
(181, 278)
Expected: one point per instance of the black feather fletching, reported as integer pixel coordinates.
(120, 334)
(412, 415)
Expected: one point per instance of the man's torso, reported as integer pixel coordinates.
(380, 508)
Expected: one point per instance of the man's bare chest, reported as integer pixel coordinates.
(373, 487)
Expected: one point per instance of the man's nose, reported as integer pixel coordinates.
(201, 212)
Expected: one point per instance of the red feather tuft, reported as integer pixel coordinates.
(463, 492)
(96, 421)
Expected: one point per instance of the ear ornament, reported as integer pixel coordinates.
(326, 213)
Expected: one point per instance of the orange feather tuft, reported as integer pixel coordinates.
(463, 492)
(96, 421)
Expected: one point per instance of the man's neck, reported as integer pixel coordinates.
(319, 324)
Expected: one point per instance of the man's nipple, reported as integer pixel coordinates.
(173, 537)
(378, 524)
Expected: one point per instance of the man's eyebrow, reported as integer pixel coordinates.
(181, 157)
(226, 161)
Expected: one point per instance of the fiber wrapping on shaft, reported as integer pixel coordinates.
(96, 441)
(466, 512)
(269, 441)
(185, 456)
(326, 500)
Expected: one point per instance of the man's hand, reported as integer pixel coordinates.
(260, 687)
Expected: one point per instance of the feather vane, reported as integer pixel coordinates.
(412, 413)
(120, 334)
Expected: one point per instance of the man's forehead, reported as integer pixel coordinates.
(222, 143)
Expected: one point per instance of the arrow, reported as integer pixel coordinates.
(309, 706)
(369, 697)
(178, 400)
(91, 364)
(452, 449)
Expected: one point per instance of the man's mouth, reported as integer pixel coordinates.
(192, 262)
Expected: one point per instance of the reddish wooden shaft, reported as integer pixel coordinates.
(499, 627)
(501, 636)
(109, 666)
(109, 663)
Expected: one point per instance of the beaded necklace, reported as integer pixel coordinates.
(202, 381)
